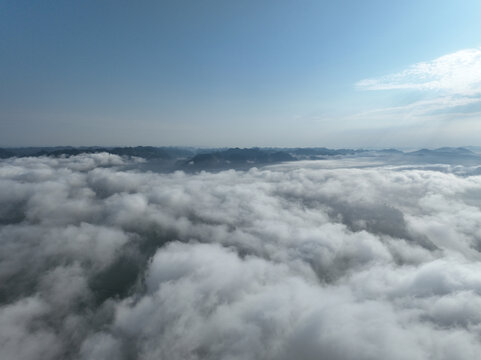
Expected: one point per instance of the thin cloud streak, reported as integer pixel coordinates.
(455, 73)
(447, 89)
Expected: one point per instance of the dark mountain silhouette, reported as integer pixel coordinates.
(5, 154)
(323, 151)
(390, 151)
(236, 157)
(443, 151)
(146, 152)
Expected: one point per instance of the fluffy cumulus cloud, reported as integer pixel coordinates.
(305, 261)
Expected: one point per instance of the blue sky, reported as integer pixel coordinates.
(240, 73)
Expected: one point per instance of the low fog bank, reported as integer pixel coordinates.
(330, 259)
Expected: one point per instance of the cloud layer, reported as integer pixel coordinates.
(304, 261)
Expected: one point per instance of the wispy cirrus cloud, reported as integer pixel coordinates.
(444, 91)
(456, 73)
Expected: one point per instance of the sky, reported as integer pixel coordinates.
(240, 73)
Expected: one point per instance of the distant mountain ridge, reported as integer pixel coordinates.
(443, 151)
(193, 159)
(146, 152)
(237, 156)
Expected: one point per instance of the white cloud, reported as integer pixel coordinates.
(455, 73)
(343, 260)
(446, 89)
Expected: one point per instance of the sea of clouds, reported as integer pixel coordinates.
(308, 260)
